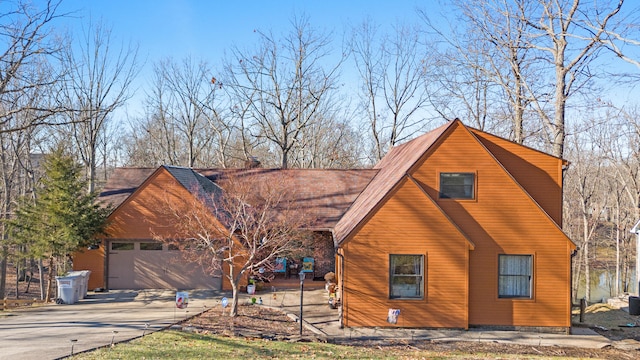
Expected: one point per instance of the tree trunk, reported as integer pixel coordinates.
(617, 285)
(17, 279)
(576, 275)
(92, 170)
(30, 278)
(41, 278)
(558, 132)
(587, 277)
(3, 268)
(52, 272)
(233, 312)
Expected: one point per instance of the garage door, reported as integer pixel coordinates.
(151, 265)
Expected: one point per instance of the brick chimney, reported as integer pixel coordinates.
(252, 162)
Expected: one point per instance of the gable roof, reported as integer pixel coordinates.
(400, 162)
(392, 168)
(325, 194)
(339, 200)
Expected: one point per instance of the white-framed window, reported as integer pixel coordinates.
(515, 276)
(457, 185)
(406, 280)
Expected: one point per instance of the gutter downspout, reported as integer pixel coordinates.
(105, 277)
(340, 308)
(340, 280)
(564, 166)
(636, 230)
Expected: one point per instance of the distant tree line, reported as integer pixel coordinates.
(548, 74)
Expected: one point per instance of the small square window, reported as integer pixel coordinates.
(406, 276)
(515, 276)
(457, 185)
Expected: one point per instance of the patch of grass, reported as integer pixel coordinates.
(185, 345)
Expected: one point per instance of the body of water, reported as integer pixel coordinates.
(602, 286)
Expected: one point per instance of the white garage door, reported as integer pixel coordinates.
(151, 265)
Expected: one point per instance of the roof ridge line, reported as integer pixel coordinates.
(367, 208)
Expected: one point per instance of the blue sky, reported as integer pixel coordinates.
(205, 29)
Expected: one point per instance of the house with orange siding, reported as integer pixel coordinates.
(457, 228)
(129, 257)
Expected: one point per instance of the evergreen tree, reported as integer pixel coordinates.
(62, 218)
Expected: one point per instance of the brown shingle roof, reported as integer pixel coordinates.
(337, 199)
(325, 194)
(392, 168)
(122, 183)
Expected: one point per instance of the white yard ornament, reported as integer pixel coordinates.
(636, 230)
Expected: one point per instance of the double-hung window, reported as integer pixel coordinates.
(457, 185)
(406, 276)
(515, 276)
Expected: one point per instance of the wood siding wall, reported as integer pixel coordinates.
(141, 216)
(538, 173)
(92, 260)
(502, 219)
(408, 223)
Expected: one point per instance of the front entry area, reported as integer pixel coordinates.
(145, 264)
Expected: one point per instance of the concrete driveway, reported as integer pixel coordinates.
(49, 332)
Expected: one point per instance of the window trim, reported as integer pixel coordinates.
(531, 279)
(473, 197)
(422, 296)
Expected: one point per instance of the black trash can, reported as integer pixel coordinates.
(634, 305)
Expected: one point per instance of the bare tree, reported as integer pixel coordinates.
(620, 144)
(28, 50)
(463, 91)
(14, 168)
(153, 139)
(620, 219)
(183, 122)
(27, 99)
(586, 200)
(558, 31)
(393, 73)
(98, 84)
(499, 30)
(330, 143)
(526, 44)
(285, 82)
(240, 226)
(191, 89)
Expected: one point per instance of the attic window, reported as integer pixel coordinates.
(457, 185)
